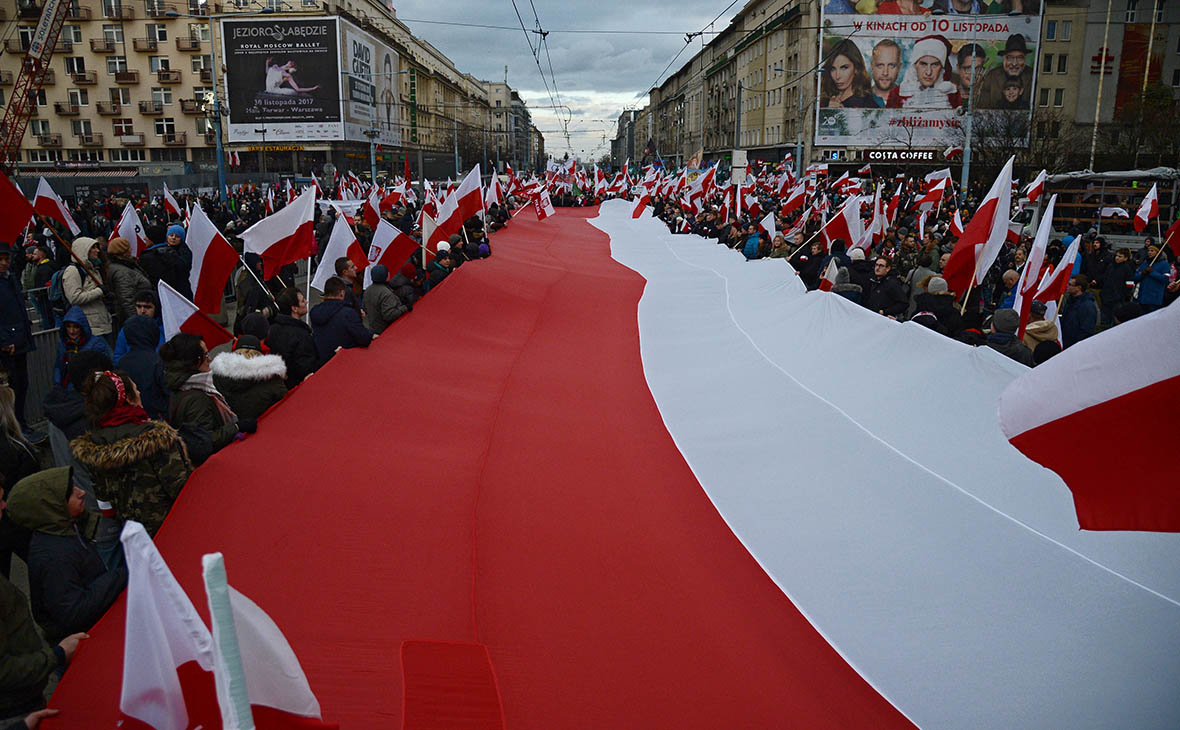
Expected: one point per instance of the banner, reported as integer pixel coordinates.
(893, 80)
(283, 78)
(370, 94)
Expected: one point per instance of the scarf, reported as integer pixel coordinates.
(204, 383)
(122, 412)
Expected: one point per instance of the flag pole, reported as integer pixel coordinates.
(307, 292)
(85, 266)
(974, 273)
(264, 287)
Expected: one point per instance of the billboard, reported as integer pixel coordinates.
(903, 77)
(283, 79)
(370, 87)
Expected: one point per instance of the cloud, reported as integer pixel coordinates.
(597, 74)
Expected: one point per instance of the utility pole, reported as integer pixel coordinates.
(737, 122)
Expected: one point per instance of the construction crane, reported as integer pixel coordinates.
(32, 77)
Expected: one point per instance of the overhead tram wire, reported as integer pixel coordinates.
(688, 37)
(544, 40)
(537, 59)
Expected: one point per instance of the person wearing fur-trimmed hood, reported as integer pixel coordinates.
(250, 380)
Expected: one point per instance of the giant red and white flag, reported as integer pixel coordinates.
(1148, 209)
(213, 261)
(286, 236)
(1059, 415)
(180, 315)
(170, 203)
(543, 205)
(1026, 286)
(829, 278)
(466, 201)
(48, 204)
(390, 248)
(985, 233)
(342, 243)
(1037, 186)
(131, 228)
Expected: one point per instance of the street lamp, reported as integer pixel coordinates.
(221, 188)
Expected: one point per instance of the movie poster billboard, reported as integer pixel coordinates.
(283, 79)
(902, 76)
(370, 87)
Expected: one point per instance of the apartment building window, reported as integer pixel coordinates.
(1050, 30)
(1062, 62)
(1048, 67)
(201, 62)
(116, 64)
(200, 92)
(165, 126)
(78, 97)
(80, 127)
(204, 126)
(44, 155)
(112, 8)
(38, 127)
(310, 3)
(75, 65)
(157, 31)
(158, 63)
(1059, 97)
(120, 95)
(25, 33)
(128, 156)
(162, 94)
(1044, 97)
(1066, 30)
(72, 33)
(199, 31)
(85, 155)
(112, 33)
(123, 127)
(39, 98)
(1132, 11)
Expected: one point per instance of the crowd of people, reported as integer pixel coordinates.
(130, 414)
(901, 276)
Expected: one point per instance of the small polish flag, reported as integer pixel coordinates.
(341, 243)
(1026, 286)
(641, 204)
(1037, 186)
(935, 177)
(131, 228)
(285, 236)
(952, 152)
(188, 214)
(270, 201)
(829, 279)
(49, 205)
(291, 194)
(181, 315)
(493, 195)
(794, 200)
(1148, 209)
(543, 205)
(956, 225)
(767, 224)
(237, 159)
(866, 170)
(891, 208)
(370, 209)
(213, 261)
(1057, 412)
(390, 248)
(170, 203)
(1172, 237)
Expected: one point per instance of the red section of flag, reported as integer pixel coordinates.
(284, 237)
(829, 278)
(213, 262)
(17, 209)
(449, 679)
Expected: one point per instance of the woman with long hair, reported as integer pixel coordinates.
(845, 82)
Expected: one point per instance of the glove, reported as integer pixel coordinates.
(247, 425)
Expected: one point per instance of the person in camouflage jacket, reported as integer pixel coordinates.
(137, 464)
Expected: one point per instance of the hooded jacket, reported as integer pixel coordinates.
(1037, 332)
(942, 306)
(169, 263)
(15, 329)
(138, 468)
(382, 306)
(26, 660)
(81, 291)
(143, 364)
(291, 339)
(196, 407)
(127, 280)
(250, 381)
(70, 586)
(89, 342)
(844, 287)
(335, 324)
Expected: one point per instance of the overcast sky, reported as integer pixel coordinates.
(598, 75)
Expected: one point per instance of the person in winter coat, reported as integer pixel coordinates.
(750, 247)
(1003, 337)
(382, 304)
(844, 287)
(335, 325)
(253, 296)
(83, 287)
(125, 278)
(1113, 284)
(886, 295)
(195, 401)
(18, 459)
(1079, 316)
(807, 263)
(1152, 279)
(916, 279)
(439, 268)
(145, 306)
(860, 270)
(939, 302)
(137, 464)
(250, 381)
(75, 336)
(1038, 329)
(169, 261)
(16, 334)
(70, 586)
(403, 286)
(290, 338)
(144, 365)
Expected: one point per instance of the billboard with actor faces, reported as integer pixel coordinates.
(371, 78)
(283, 79)
(903, 76)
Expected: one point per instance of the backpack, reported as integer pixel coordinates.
(57, 294)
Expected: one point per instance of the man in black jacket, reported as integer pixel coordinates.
(335, 325)
(886, 295)
(16, 338)
(291, 338)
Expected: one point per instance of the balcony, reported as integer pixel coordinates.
(191, 106)
(50, 77)
(151, 107)
(210, 137)
(122, 12)
(5, 78)
(126, 77)
(31, 11)
(78, 13)
(66, 109)
(84, 78)
(49, 140)
(94, 139)
(188, 44)
(160, 10)
(206, 76)
(145, 45)
(168, 76)
(102, 45)
(135, 139)
(109, 109)
(177, 139)
(206, 9)
(15, 45)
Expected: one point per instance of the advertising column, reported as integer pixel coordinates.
(283, 79)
